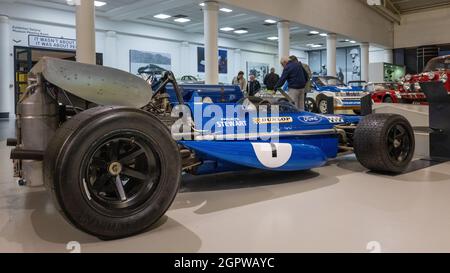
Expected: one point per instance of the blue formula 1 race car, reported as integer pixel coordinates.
(112, 152)
(345, 97)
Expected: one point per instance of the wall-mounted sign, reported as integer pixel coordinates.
(52, 42)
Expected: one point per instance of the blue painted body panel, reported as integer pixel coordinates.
(288, 153)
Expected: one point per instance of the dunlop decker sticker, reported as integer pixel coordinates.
(273, 120)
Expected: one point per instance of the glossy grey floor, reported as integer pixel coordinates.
(338, 208)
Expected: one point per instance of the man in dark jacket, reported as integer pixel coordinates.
(253, 86)
(271, 79)
(294, 75)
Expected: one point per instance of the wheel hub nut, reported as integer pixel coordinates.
(397, 143)
(115, 168)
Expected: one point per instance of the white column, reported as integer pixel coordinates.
(110, 55)
(389, 56)
(5, 92)
(184, 67)
(365, 62)
(331, 54)
(85, 24)
(211, 23)
(284, 40)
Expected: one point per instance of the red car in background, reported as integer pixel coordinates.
(437, 69)
(394, 93)
(409, 90)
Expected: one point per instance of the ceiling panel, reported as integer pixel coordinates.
(258, 31)
(405, 6)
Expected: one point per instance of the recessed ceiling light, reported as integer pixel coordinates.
(99, 3)
(323, 34)
(227, 29)
(182, 20)
(162, 16)
(270, 21)
(314, 32)
(347, 40)
(202, 4)
(314, 46)
(226, 10)
(241, 31)
(353, 42)
(272, 38)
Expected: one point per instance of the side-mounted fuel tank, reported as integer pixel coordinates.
(37, 122)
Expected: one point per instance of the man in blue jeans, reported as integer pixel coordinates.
(295, 76)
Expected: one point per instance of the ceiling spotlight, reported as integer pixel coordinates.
(99, 3)
(241, 31)
(201, 4)
(323, 34)
(270, 21)
(182, 20)
(353, 42)
(226, 10)
(315, 46)
(347, 40)
(226, 29)
(314, 32)
(272, 38)
(162, 16)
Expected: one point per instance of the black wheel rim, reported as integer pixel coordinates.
(309, 105)
(399, 144)
(120, 173)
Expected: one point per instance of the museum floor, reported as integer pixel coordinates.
(338, 208)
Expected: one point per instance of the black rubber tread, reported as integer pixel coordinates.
(63, 160)
(319, 99)
(370, 143)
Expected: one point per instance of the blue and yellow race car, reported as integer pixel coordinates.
(345, 97)
(112, 152)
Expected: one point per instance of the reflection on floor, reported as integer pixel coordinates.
(340, 207)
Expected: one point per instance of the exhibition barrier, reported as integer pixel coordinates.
(439, 116)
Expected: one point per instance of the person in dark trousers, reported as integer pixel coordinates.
(253, 86)
(271, 79)
(296, 77)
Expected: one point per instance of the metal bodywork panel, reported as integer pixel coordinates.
(98, 84)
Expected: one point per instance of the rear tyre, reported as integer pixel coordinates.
(384, 143)
(113, 171)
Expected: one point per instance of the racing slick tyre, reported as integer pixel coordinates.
(113, 171)
(310, 105)
(384, 143)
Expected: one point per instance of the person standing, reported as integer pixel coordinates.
(271, 79)
(253, 86)
(308, 71)
(241, 81)
(294, 75)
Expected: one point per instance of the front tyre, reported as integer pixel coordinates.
(113, 171)
(384, 143)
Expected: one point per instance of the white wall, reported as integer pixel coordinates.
(424, 28)
(380, 55)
